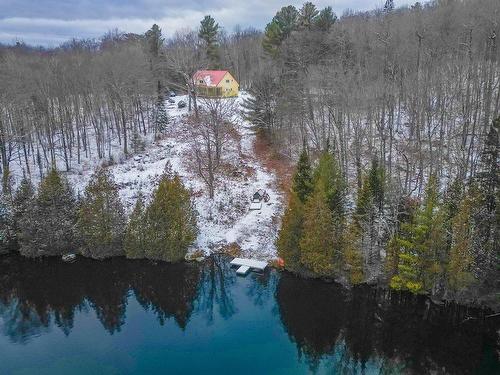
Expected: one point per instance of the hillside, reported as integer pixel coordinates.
(224, 220)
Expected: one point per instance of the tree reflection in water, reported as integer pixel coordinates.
(217, 277)
(169, 290)
(359, 331)
(394, 333)
(35, 294)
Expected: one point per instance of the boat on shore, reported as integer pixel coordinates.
(69, 258)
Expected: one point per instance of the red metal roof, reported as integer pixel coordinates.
(210, 77)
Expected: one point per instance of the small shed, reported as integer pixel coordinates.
(260, 195)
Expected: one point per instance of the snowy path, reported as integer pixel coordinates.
(256, 230)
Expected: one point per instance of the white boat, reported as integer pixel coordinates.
(69, 258)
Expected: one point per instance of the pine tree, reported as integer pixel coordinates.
(47, 227)
(162, 120)
(369, 215)
(273, 37)
(101, 217)
(288, 243)
(353, 256)
(307, 15)
(406, 209)
(422, 246)
(460, 257)
(134, 242)
(170, 221)
(259, 105)
(487, 219)
(325, 19)
(318, 240)
(154, 40)
(302, 179)
(6, 181)
(22, 201)
(286, 18)
(209, 30)
(137, 143)
(363, 237)
(328, 178)
(377, 184)
(7, 233)
(281, 26)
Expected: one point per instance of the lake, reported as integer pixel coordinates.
(136, 317)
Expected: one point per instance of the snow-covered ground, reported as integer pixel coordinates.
(227, 218)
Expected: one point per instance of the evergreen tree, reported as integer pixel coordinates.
(209, 30)
(6, 181)
(101, 217)
(377, 184)
(162, 120)
(406, 209)
(302, 179)
(325, 20)
(286, 18)
(47, 227)
(170, 221)
(22, 201)
(7, 233)
(154, 40)
(259, 105)
(487, 219)
(422, 246)
(452, 198)
(460, 258)
(134, 241)
(328, 178)
(288, 243)
(137, 143)
(353, 256)
(318, 240)
(307, 15)
(281, 26)
(273, 36)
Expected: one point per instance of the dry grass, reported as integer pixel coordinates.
(232, 249)
(281, 166)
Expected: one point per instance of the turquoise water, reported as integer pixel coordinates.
(136, 317)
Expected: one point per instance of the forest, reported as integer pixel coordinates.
(391, 116)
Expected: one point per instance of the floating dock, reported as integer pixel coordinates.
(245, 265)
(243, 270)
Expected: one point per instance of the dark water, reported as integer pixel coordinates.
(135, 317)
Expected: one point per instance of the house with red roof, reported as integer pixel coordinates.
(215, 83)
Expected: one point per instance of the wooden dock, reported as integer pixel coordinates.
(245, 265)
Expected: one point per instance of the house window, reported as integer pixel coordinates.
(201, 81)
(227, 81)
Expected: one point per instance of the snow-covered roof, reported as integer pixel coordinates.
(210, 77)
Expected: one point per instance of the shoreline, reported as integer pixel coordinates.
(492, 309)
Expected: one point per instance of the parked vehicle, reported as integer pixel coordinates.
(171, 101)
(181, 104)
(172, 94)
